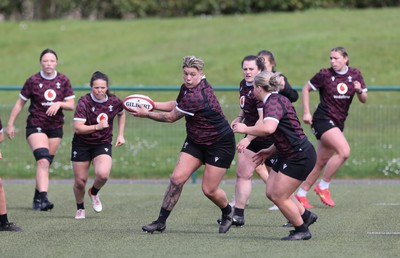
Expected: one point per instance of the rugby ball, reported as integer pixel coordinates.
(136, 100)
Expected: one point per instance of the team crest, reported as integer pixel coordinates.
(241, 101)
(101, 117)
(342, 88)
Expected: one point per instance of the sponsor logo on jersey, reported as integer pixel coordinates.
(241, 101)
(49, 95)
(342, 89)
(101, 117)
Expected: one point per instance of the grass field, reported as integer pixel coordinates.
(363, 224)
(148, 52)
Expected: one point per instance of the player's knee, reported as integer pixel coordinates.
(43, 153)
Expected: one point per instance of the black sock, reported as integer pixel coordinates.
(36, 196)
(301, 228)
(164, 214)
(43, 195)
(238, 212)
(80, 206)
(227, 210)
(3, 219)
(94, 190)
(305, 215)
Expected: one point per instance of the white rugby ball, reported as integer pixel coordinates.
(136, 100)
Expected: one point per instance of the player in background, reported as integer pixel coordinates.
(209, 141)
(93, 125)
(251, 111)
(295, 154)
(286, 90)
(337, 86)
(270, 66)
(50, 92)
(5, 225)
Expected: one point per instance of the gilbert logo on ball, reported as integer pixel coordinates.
(137, 100)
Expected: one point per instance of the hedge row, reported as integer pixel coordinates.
(124, 9)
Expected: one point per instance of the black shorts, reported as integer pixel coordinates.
(88, 153)
(298, 167)
(319, 127)
(270, 161)
(256, 146)
(219, 154)
(55, 133)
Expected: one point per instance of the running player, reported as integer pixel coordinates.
(50, 93)
(286, 90)
(209, 141)
(93, 125)
(251, 111)
(337, 86)
(296, 155)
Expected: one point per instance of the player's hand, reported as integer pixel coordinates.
(242, 145)
(53, 109)
(139, 112)
(307, 118)
(260, 157)
(239, 128)
(10, 130)
(357, 86)
(120, 141)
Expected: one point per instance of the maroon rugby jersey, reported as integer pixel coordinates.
(289, 136)
(92, 111)
(205, 121)
(42, 92)
(336, 93)
(250, 106)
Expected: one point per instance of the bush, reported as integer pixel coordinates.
(123, 9)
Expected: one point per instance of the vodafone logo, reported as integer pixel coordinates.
(50, 95)
(101, 117)
(241, 101)
(342, 88)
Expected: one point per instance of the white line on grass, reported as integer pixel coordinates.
(383, 233)
(388, 203)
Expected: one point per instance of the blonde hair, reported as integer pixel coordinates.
(193, 62)
(269, 81)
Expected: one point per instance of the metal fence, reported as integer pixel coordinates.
(372, 130)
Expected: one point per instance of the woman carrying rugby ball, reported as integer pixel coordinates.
(209, 141)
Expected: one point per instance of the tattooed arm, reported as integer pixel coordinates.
(169, 117)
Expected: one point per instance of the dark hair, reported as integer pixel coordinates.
(269, 55)
(259, 61)
(47, 51)
(100, 76)
(343, 52)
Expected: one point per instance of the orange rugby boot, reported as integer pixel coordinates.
(325, 196)
(303, 200)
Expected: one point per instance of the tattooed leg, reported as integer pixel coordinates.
(172, 195)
